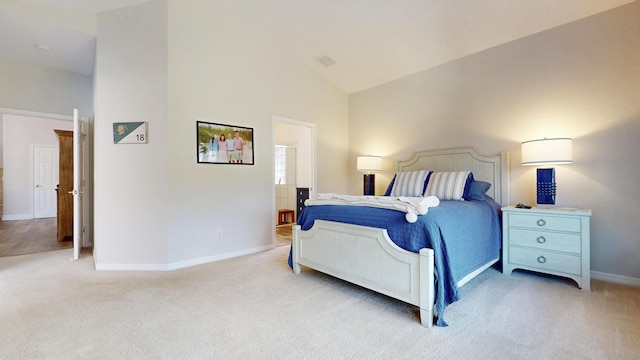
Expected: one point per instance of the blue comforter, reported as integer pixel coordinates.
(464, 235)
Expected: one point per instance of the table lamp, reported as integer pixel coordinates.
(546, 152)
(369, 165)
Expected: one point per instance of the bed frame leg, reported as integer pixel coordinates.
(427, 287)
(295, 248)
(426, 317)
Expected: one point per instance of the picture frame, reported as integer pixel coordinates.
(209, 150)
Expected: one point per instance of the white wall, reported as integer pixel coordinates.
(77, 20)
(171, 64)
(23, 133)
(30, 87)
(131, 191)
(581, 80)
(224, 70)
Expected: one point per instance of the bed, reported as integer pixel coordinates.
(357, 246)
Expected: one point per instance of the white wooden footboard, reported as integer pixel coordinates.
(367, 257)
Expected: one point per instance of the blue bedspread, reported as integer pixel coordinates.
(463, 235)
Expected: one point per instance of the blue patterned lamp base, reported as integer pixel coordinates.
(546, 186)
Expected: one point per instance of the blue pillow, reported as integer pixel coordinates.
(388, 192)
(467, 186)
(477, 189)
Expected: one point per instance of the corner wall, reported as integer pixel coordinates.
(171, 63)
(131, 190)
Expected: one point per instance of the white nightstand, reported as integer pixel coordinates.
(549, 240)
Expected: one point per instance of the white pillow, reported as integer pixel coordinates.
(447, 185)
(409, 183)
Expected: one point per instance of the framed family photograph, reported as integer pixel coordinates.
(224, 144)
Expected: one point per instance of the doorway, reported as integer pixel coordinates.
(21, 212)
(294, 172)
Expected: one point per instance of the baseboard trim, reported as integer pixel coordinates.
(131, 267)
(618, 279)
(16, 217)
(218, 257)
(181, 264)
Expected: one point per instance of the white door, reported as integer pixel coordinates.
(45, 181)
(78, 184)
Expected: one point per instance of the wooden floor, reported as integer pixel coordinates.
(19, 237)
(283, 235)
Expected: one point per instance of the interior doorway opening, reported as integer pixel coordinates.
(29, 216)
(294, 173)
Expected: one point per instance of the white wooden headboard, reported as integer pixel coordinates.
(492, 169)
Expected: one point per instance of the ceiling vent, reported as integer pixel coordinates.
(325, 60)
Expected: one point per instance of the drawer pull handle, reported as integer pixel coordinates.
(541, 222)
(541, 240)
(542, 259)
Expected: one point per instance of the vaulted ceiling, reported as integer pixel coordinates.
(370, 41)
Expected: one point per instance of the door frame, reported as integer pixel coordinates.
(88, 165)
(78, 185)
(312, 158)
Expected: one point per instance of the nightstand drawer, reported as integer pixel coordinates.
(546, 260)
(546, 222)
(545, 240)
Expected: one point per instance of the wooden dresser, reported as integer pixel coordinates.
(553, 241)
(65, 185)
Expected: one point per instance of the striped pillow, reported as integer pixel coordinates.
(410, 183)
(447, 185)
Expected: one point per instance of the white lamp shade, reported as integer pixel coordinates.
(547, 151)
(369, 163)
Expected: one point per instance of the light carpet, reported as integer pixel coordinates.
(255, 307)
